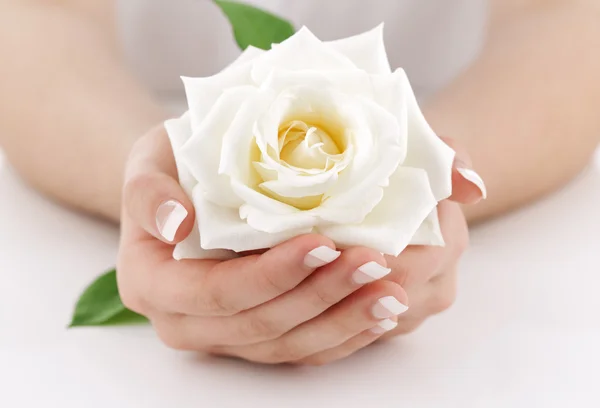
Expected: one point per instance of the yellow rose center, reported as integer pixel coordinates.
(306, 146)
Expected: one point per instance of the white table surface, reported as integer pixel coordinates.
(525, 331)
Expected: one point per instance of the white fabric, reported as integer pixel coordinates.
(431, 39)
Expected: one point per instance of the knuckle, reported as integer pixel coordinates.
(285, 352)
(132, 300)
(214, 304)
(400, 273)
(321, 298)
(171, 337)
(129, 294)
(137, 183)
(443, 300)
(461, 244)
(257, 329)
(274, 285)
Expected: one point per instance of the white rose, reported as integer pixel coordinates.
(309, 136)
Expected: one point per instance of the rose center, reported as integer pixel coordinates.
(307, 146)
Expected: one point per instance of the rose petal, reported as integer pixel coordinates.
(190, 248)
(391, 225)
(429, 233)
(353, 82)
(358, 189)
(302, 186)
(201, 154)
(202, 93)
(425, 149)
(222, 228)
(248, 55)
(240, 148)
(179, 131)
(299, 52)
(366, 51)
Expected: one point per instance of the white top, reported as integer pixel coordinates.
(431, 39)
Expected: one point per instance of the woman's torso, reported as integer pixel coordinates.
(431, 39)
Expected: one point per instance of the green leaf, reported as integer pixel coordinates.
(253, 26)
(100, 305)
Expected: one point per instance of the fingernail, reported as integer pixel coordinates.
(369, 272)
(169, 217)
(473, 177)
(384, 326)
(321, 256)
(387, 307)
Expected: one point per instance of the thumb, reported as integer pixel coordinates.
(467, 185)
(152, 196)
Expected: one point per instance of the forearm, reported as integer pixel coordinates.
(69, 111)
(527, 109)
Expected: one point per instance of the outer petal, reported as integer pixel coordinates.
(222, 227)
(354, 82)
(190, 249)
(366, 51)
(425, 149)
(248, 55)
(429, 233)
(299, 52)
(179, 131)
(238, 152)
(202, 93)
(201, 154)
(391, 225)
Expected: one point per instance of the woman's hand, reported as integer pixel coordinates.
(292, 302)
(301, 302)
(429, 273)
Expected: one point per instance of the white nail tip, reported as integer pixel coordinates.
(384, 326)
(369, 272)
(474, 178)
(388, 306)
(169, 217)
(321, 256)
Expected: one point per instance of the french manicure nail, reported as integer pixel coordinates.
(321, 256)
(384, 326)
(369, 272)
(169, 217)
(387, 307)
(473, 177)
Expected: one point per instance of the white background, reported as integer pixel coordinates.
(525, 331)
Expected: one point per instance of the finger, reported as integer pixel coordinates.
(467, 185)
(152, 196)
(367, 308)
(416, 265)
(213, 288)
(426, 300)
(351, 346)
(323, 289)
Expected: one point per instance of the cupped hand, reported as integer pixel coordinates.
(429, 274)
(291, 303)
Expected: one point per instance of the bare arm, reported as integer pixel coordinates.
(527, 109)
(69, 110)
